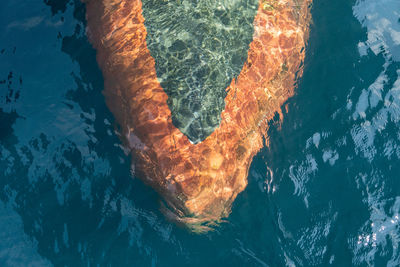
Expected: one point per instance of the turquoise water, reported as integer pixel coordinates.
(326, 191)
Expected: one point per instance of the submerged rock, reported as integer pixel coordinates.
(198, 180)
(198, 47)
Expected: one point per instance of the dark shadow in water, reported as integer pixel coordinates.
(92, 230)
(331, 54)
(264, 227)
(333, 67)
(9, 94)
(7, 120)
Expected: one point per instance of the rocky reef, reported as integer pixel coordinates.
(197, 180)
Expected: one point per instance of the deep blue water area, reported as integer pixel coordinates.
(325, 192)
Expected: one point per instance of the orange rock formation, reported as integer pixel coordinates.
(198, 182)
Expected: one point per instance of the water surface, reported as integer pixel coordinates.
(325, 192)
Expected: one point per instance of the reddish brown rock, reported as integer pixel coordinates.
(200, 181)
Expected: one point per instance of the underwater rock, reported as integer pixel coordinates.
(198, 180)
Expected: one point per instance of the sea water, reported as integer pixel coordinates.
(325, 192)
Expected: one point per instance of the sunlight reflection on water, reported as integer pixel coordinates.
(325, 192)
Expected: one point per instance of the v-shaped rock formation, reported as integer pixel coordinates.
(199, 181)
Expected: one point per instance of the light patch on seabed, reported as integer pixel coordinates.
(316, 139)
(48, 129)
(382, 229)
(381, 20)
(16, 248)
(26, 24)
(312, 239)
(367, 118)
(330, 156)
(241, 250)
(300, 174)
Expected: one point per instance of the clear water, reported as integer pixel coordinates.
(198, 47)
(326, 191)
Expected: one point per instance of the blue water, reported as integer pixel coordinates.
(325, 192)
